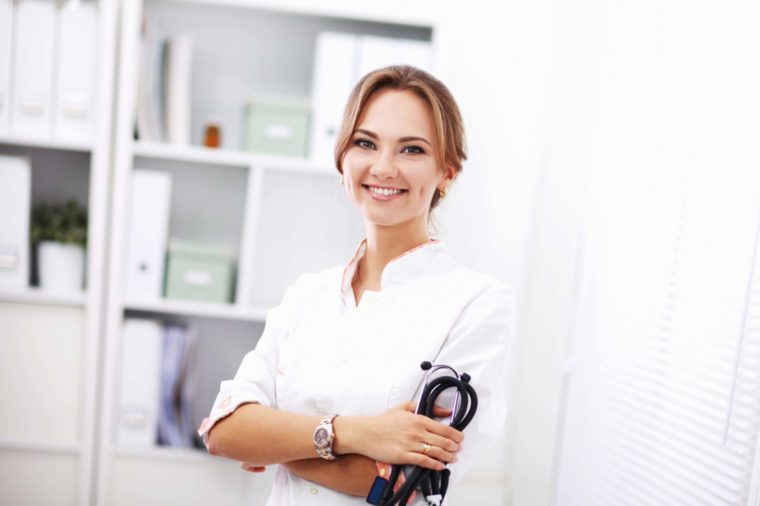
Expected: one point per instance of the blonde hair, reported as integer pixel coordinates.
(449, 126)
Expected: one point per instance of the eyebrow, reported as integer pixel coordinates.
(373, 135)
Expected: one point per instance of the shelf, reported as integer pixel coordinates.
(405, 14)
(230, 158)
(164, 453)
(193, 154)
(70, 449)
(38, 296)
(206, 310)
(83, 147)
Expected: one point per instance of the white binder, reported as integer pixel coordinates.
(140, 383)
(377, 52)
(15, 207)
(341, 60)
(334, 77)
(178, 90)
(6, 46)
(148, 233)
(76, 56)
(374, 53)
(414, 52)
(33, 69)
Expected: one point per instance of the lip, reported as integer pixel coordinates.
(384, 198)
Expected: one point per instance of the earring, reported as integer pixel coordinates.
(442, 192)
(340, 179)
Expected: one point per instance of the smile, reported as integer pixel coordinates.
(380, 193)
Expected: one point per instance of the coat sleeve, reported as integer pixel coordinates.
(255, 379)
(477, 344)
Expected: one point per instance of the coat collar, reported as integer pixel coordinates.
(400, 270)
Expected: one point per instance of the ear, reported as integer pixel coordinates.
(449, 175)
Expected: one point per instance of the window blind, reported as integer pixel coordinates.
(662, 399)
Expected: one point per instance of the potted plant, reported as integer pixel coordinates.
(59, 232)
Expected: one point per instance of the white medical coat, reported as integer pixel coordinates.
(321, 354)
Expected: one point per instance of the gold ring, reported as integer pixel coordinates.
(426, 448)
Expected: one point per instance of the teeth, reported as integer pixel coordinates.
(383, 191)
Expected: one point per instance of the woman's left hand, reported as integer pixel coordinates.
(399, 436)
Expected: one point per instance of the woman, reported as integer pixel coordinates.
(349, 341)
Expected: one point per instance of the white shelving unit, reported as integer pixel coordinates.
(36, 296)
(51, 342)
(282, 216)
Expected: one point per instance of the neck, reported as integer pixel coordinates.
(386, 243)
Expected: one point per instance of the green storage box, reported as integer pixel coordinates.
(199, 271)
(276, 126)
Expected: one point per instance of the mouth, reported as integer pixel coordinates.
(384, 193)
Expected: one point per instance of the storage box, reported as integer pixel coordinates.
(199, 271)
(276, 126)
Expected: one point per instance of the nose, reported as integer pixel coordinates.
(384, 166)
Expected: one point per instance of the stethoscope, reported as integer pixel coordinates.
(431, 369)
(432, 484)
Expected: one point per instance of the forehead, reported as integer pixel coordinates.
(397, 113)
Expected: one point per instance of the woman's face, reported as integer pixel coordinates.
(390, 169)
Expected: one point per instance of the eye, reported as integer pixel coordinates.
(364, 144)
(412, 150)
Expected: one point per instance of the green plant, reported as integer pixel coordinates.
(59, 222)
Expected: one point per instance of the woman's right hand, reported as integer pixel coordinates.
(399, 436)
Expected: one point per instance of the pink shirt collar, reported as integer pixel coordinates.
(401, 269)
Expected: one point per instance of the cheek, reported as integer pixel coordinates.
(425, 180)
(354, 167)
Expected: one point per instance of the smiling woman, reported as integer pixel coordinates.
(328, 391)
(390, 160)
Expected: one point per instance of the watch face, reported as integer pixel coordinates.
(321, 437)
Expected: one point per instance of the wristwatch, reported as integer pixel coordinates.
(323, 438)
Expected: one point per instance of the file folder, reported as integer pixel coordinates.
(178, 90)
(15, 209)
(374, 53)
(140, 383)
(6, 53)
(377, 52)
(414, 52)
(76, 56)
(335, 72)
(33, 69)
(342, 59)
(148, 233)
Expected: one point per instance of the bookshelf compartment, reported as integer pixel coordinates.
(37, 478)
(306, 224)
(148, 480)
(40, 373)
(278, 59)
(57, 177)
(214, 352)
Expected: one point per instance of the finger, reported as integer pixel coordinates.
(440, 411)
(252, 468)
(442, 442)
(418, 459)
(444, 430)
(441, 455)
